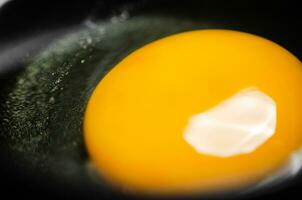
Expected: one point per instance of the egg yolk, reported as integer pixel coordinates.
(194, 112)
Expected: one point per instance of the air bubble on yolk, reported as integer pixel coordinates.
(196, 112)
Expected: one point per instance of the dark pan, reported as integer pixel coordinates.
(52, 55)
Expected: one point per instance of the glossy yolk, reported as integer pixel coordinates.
(135, 119)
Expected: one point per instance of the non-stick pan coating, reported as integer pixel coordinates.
(52, 55)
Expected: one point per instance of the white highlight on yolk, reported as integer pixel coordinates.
(238, 125)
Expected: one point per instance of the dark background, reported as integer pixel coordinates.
(279, 21)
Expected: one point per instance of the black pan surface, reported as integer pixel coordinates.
(52, 55)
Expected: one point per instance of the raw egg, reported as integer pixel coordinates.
(195, 112)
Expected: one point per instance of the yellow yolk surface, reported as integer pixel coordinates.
(138, 123)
